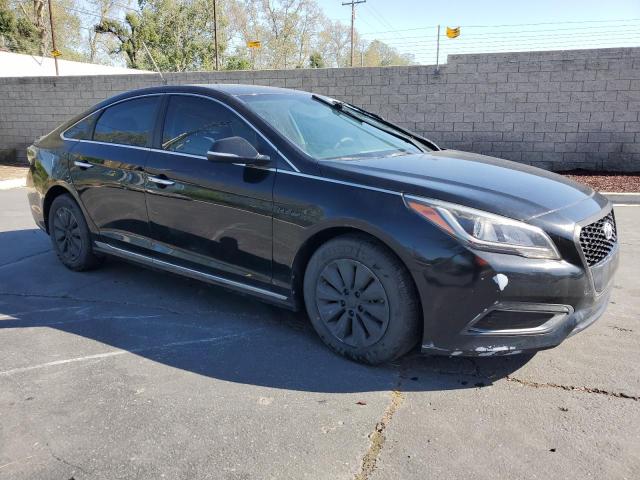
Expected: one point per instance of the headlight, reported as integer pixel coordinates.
(485, 231)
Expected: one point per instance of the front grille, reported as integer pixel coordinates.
(594, 242)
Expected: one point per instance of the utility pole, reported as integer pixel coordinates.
(215, 33)
(353, 4)
(438, 50)
(53, 39)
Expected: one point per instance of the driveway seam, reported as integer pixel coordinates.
(377, 437)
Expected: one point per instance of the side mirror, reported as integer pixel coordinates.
(235, 150)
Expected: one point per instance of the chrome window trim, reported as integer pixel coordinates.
(100, 110)
(284, 157)
(96, 142)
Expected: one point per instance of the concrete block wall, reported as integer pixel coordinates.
(558, 110)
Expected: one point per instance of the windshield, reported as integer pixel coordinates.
(324, 132)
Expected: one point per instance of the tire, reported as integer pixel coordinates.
(70, 235)
(361, 300)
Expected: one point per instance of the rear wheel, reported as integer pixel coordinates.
(361, 300)
(70, 235)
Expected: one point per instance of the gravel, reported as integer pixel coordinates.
(607, 181)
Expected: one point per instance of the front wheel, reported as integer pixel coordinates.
(361, 300)
(70, 235)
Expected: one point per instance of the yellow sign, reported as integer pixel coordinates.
(254, 44)
(453, 32)
(56, 53)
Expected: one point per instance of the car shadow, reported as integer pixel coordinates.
(206, 330)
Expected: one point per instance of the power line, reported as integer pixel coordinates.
(515, 39)
(502, 32)
(507, 25)
(521, 47)
(353, 4)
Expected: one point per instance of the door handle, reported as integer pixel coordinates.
(83, 165)
(161, 181)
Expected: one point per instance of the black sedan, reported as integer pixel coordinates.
(386, 239)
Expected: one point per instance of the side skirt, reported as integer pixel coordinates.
(239, 287)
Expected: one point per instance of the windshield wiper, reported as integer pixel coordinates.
(394, 130)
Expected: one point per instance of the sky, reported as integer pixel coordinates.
(410, 25)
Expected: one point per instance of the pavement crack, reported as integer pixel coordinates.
(377, 437)
(89, 300)
(13, 262)
(620, 329)
(69, 464)
(572, 388)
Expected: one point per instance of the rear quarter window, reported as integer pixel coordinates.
(83, 130)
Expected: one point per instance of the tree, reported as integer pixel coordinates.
(236, 62)
(379, 54)
(333, 42)
(27, 30)
(179, 35)
(105, 9)
(316, 61)
(17, 34)
(129, 37)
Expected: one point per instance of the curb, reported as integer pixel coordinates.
(623, 197)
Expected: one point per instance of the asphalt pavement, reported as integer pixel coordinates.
(126, 373)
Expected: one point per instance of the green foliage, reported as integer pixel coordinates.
(316, 60)
(17, 34)
(179, 35)
(379, 54)
(236, 62)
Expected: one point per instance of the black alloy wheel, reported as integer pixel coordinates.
(352, 303)
(66, 234)
(361, 299)
(70, 235)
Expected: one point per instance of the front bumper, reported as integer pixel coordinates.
(567, 298)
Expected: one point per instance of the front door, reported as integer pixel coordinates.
(108, 169)
(211, 216)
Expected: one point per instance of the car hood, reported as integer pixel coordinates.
(491, 184)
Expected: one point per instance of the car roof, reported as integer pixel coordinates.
(223, 89)
(236, 89)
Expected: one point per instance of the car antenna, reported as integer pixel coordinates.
(164, 80)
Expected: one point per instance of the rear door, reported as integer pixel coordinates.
(212, 216)
(107, 168)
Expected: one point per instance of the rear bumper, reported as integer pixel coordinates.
(566, 297)
(36, 200)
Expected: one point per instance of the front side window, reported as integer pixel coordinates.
(323, 132)
(128, 123)
(193, 124)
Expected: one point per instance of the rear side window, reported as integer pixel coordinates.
(128, 123)
(193, 124)
(83, 129)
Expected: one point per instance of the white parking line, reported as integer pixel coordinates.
(13, 183)
(122, 352)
